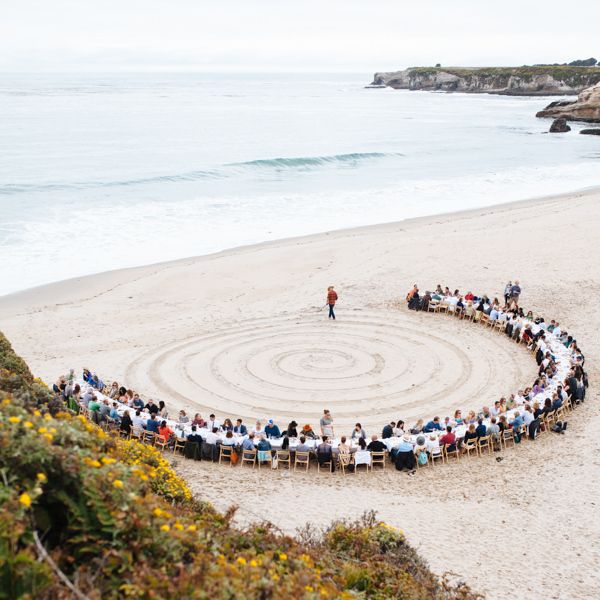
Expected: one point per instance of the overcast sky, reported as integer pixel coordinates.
(299, 35)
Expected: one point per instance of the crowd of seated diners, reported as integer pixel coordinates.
(560, 386)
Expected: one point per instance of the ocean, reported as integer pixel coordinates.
(99, 172)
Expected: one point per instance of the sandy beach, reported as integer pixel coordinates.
(243, 333)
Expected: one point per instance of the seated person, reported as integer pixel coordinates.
(114, 413)
(292, 429)
(227, 425)
(325, 453)
(399, 429)
(183, 418)
(212, 423)
(165, 432)
(248, 443)
(376, 445)
(151, 407)
(125, 422)
(258, 429)
(264, 449)
(303, 446)
(517, 421)
(271, 430)
(343, 447)
(307, 431)
(137, 402)
(403, 455)
(493, 429)
(470, 435)
(421, 445)
(199, 421)
(448, 439)
(481, 429)
(211, 436)
(417, 428)
(433, 444)
(229, 439)
(358, 432)
(240, 428)
(433, 425)
(388, 430)
(194, 436)
(152, 424)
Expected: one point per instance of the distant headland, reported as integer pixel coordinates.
(537, 80)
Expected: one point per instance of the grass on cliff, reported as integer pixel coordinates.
(88, 516)
(572, 75)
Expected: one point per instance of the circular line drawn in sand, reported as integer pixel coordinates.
(368, 366)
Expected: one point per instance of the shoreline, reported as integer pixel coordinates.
(308, 238)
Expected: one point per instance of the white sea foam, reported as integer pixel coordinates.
(98, 174)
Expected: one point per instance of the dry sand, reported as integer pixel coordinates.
(241, 333)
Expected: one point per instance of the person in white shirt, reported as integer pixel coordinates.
(527, 415)
(495, 410)
(433, 444)
(258, 430)
(399, 429)
(211, 436)
(557, 331)
(212, 423)
(138, 419)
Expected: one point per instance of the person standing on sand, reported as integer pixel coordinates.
(515, 292)
(331, 300)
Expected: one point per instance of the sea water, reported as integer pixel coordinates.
(100, 172)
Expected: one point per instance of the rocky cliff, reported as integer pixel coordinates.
(515, 81)
(585, 108)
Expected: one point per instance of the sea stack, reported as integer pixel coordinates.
(559, 126)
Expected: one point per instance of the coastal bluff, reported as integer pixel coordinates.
(511, 81)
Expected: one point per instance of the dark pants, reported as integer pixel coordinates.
(331, 313)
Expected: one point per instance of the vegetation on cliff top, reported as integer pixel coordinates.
(88, 516)
(560, 72)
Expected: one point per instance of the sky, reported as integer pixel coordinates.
(281, 35)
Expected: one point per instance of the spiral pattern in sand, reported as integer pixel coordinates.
(367, 366)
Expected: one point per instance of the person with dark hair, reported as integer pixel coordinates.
(358, 432)
(240, 428)
(126, 423)
(325, 453)
(481, 429)
(388, 430)
(292, 429)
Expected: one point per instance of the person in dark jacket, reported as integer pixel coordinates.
(240, 428)
(388, 430)
(292, 429)
(126, 422)
(481, 429)
(376, 445)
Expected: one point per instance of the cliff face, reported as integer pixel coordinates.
(585, 108)
(517, 81)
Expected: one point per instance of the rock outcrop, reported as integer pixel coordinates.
(585, 108)
(590, 131)
(559, 126)
(514, 81)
